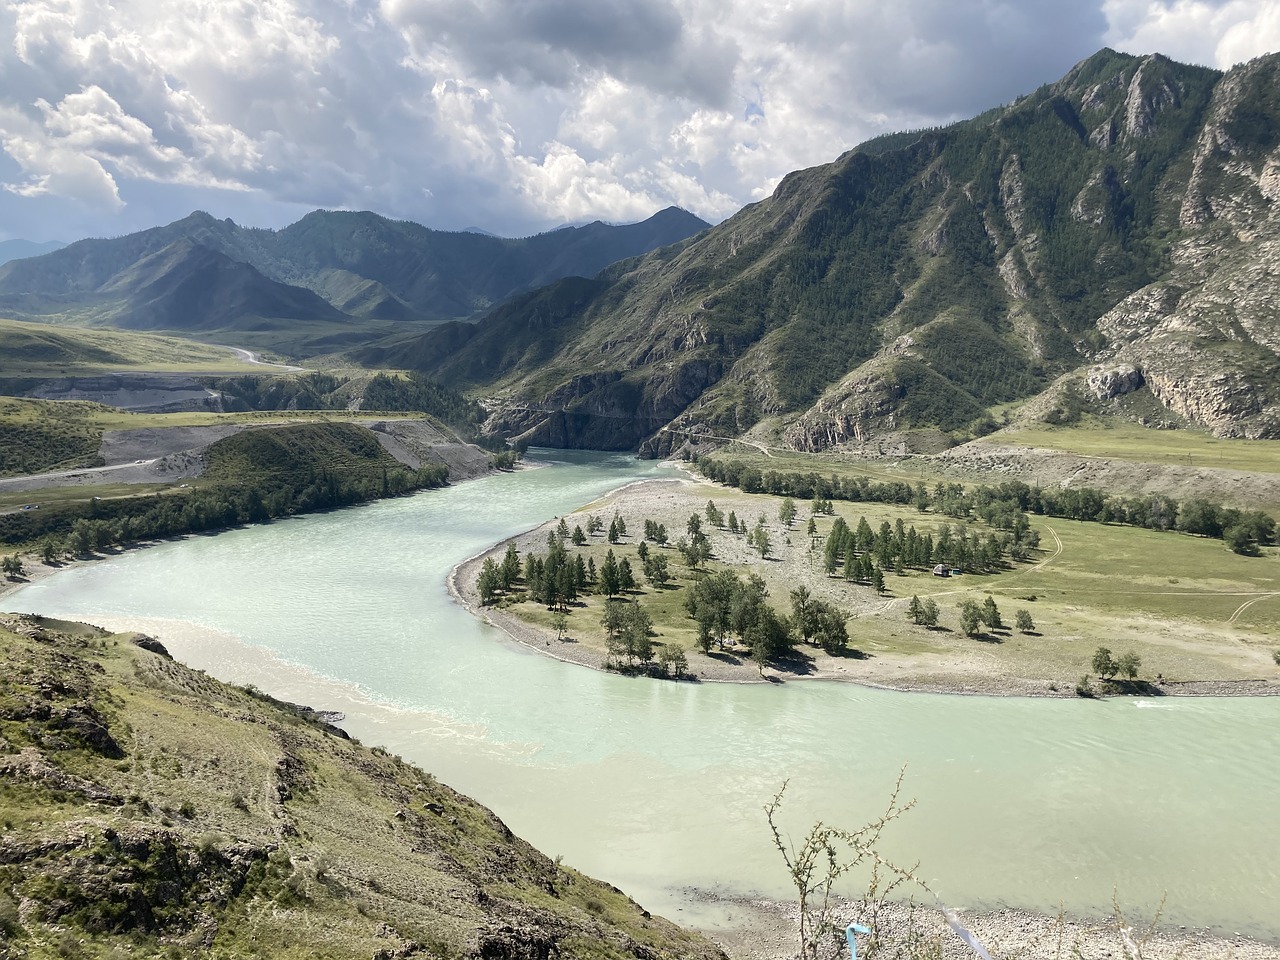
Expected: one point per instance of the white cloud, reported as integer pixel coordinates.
(515, 114)
(1217, 33)
(54, 168)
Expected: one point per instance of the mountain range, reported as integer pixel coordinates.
(1110, 238)
(20, 249)
(1109, 241)
(200, 274)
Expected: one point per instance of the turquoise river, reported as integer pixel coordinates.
(658, 787)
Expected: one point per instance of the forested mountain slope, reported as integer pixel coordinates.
(1124, 216)
(202, 273)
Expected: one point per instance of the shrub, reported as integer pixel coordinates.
(1084, 687)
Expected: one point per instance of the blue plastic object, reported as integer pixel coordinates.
(849, 931)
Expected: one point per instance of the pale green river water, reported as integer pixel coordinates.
(658, 787)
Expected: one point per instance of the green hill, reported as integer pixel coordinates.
(152, 811)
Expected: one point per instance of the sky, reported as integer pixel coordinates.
(512, 116)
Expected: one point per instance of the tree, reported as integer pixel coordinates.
(812, 528)
(1022, 620)
(613, 531)
(762, 542)
(642, 551)
(628, 631)
(714, 516)
(1239, 538)
(562, 529)
(877, 580)
(803, 616)
(832, 634)
(609, 583)
(611, 618)
(560, 621)
(50, 551)
(710, 603)
(1103, 665)
(851, 565)
(915, 609)
(1128, 664)
(929, 613)
(489, 582)
(673, 660)
(12, 566)
(656, 570)
(510, 569)
(765, 635)
(970, 617)
(622, 524)
(578, 537)
(787, 511)
(626, 578)
(824, 856)
(991, 613)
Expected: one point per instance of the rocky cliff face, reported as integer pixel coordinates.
(1123, 217)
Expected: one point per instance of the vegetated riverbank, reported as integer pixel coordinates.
(1182, 652)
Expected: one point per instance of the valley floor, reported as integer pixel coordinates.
(1196, 638)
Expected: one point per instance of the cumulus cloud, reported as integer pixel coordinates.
(1217, 33)
(514, 114)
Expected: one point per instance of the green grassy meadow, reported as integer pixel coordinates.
(1187, 605)
(36, 350)
(1128, 441)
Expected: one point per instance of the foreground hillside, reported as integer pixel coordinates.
(151, 810)
(1111, 235)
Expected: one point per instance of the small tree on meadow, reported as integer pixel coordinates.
(626, 577)
(762, 542)
(787, 511)
(929, 613)
(991, 614)
(1022, 620)
(970, 618)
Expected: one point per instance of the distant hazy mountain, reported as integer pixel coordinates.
(1116, 232)
(19, 249)
(202, 273)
